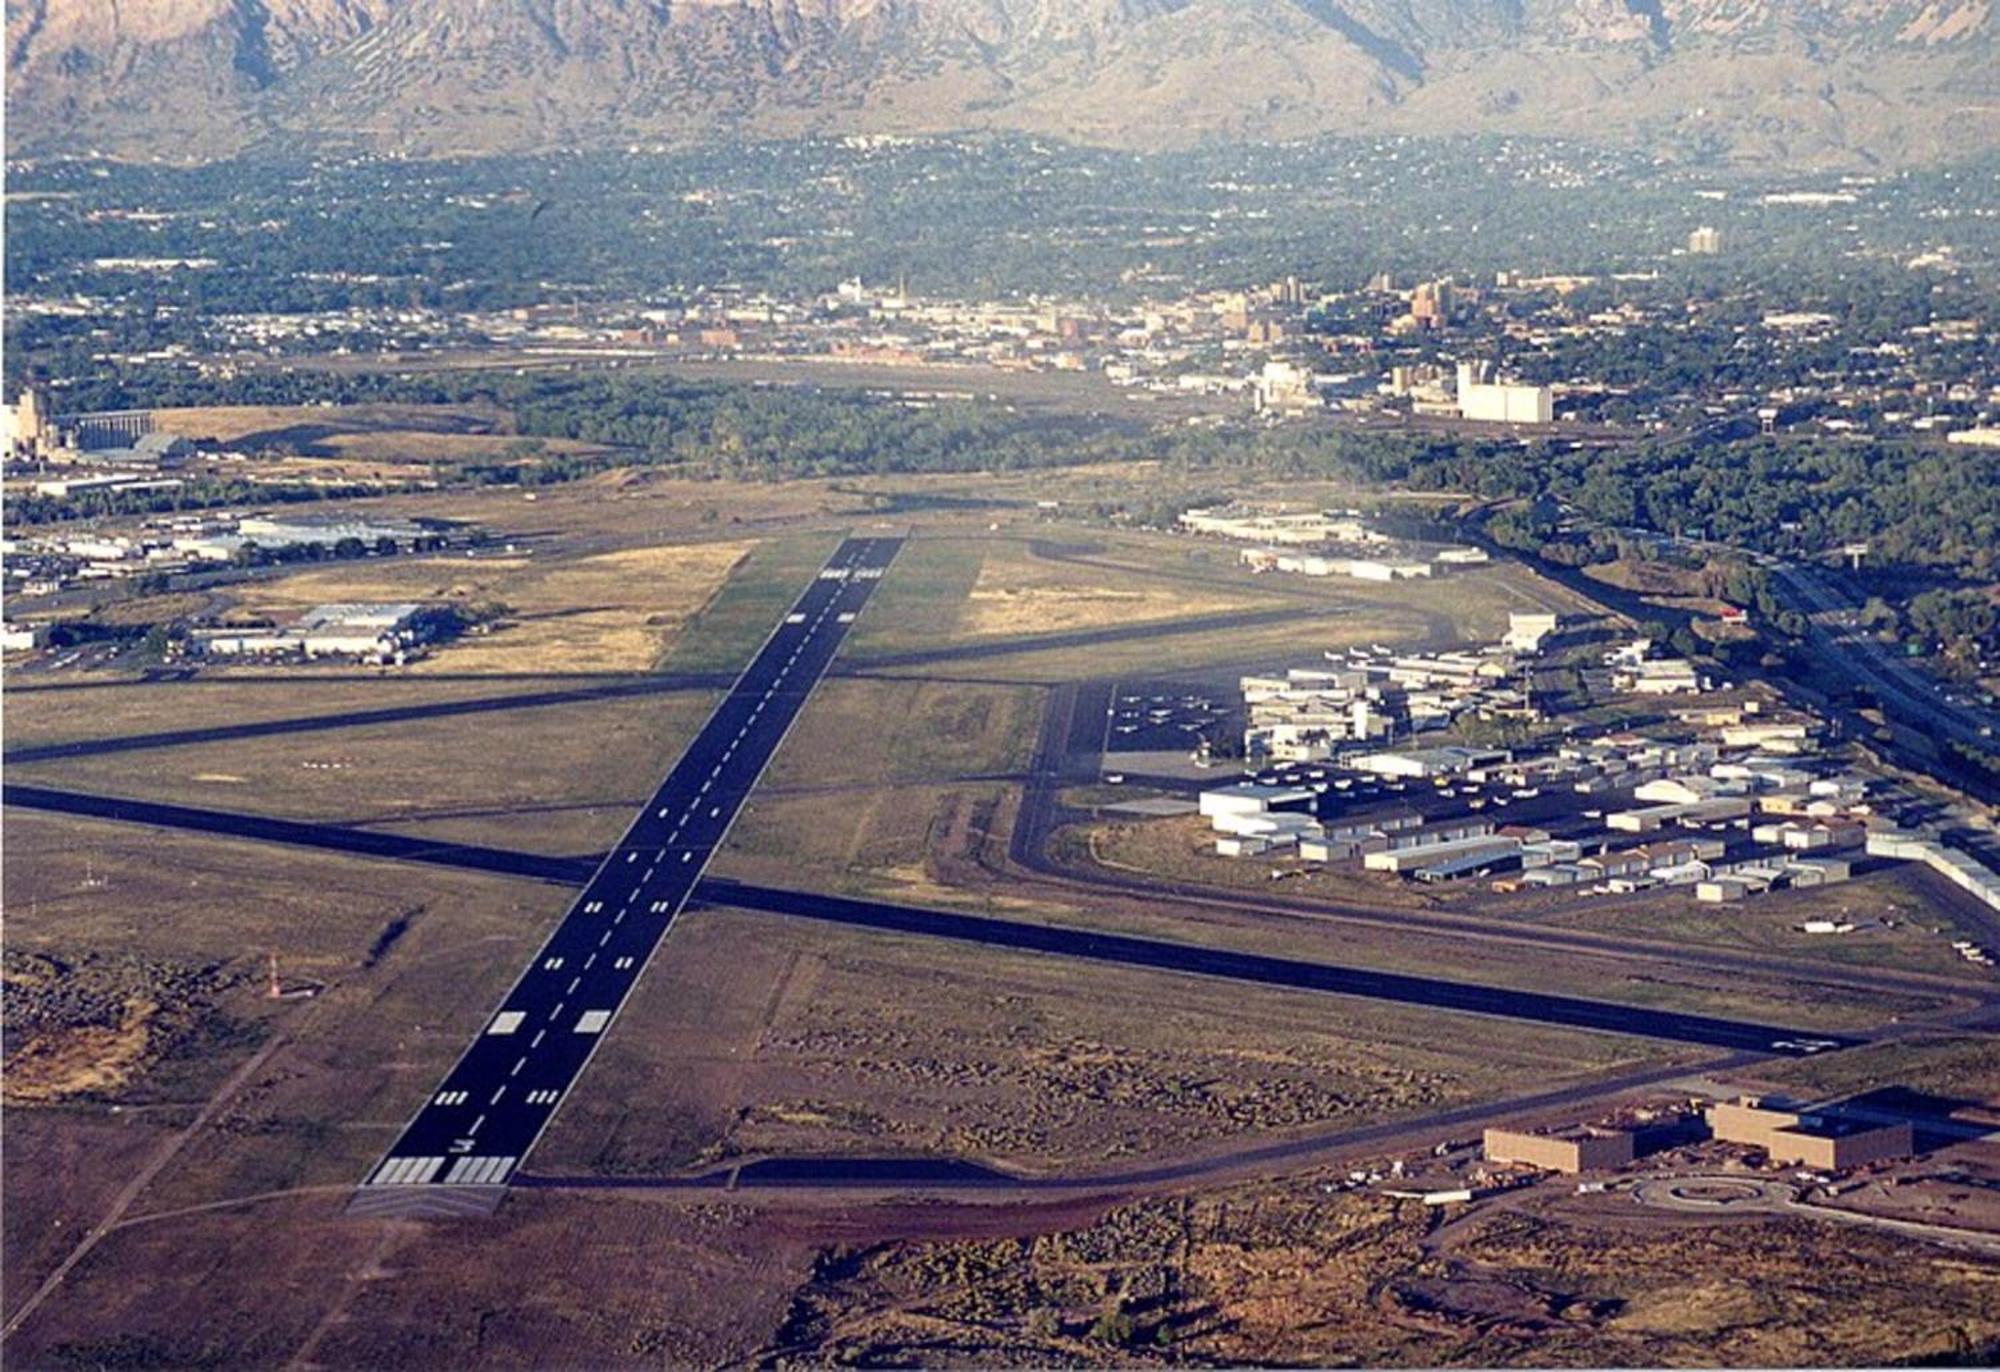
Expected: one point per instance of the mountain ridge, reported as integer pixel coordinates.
(1812, 82)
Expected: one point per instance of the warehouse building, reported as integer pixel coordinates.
(1961, 869)
(1808, 1140)
(1568, 1150)
(1487, 847)
(1481, 398)
(1650, 819)
(372, 632)
(1250, 798)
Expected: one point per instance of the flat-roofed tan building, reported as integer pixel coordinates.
(1569, 1150)
(1820, 1141)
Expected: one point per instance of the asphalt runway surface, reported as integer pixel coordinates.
(1293, 973)
(569, 871)
(493, 1105)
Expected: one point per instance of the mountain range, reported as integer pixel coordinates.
(1778, 82)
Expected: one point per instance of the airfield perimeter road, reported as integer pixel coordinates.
(493, 1105)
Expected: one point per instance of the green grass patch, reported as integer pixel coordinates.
(727, 632)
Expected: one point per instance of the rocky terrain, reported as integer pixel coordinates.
(1853, 82)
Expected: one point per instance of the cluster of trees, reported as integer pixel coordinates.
(760, 433)
(1914, 504)
(1962, 625)
(199, 493)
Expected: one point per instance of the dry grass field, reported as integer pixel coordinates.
(760, 1035)
(66, 711)
(387, 435)
(609, 612)
(861, 732)
(1961, 1067)
(1901, 923)
(229, 424)
(729, 628)
(978, 587)
(136, 969)
(557, 778)
(1017, 593)
(883, 841)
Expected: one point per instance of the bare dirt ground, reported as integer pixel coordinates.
(1283, 1274)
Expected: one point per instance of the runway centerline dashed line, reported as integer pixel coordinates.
(715, 773)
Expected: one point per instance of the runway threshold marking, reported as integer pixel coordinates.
(496, 1101)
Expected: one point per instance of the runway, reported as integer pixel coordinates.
(353, 719)
(1262, 969)
(487, 1113)
(337, 838)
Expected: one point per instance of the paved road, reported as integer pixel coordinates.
(493, 1105)
(1732, 1194)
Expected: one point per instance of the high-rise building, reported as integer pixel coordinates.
(1430, 304)
(1705, 241)
(30, 432)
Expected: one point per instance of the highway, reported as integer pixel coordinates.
(489, 1110)
(1913, 695)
